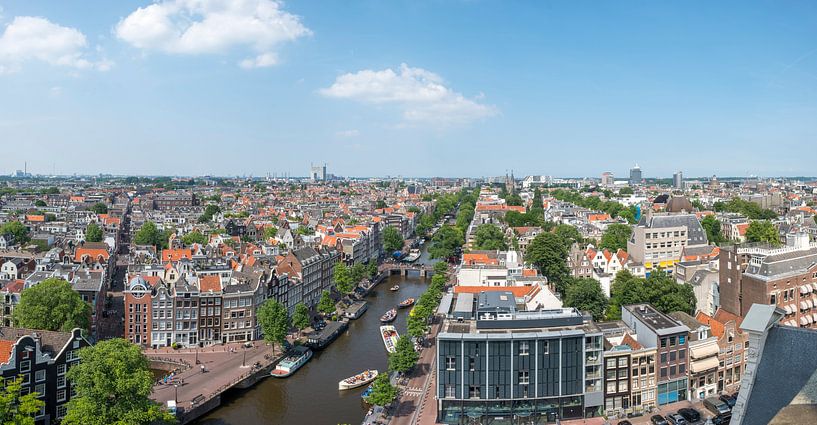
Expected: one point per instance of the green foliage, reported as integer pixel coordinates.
(392, 240)
(383, 392)
(358, 272)
(194, 237)
(660, 290)
(16, 408)
(446, 241)
(568, 233)
(535, 217)
(209, 212)
(149, 234)
(424, 224)
(381, 204)
(93, 233)
(615, 237)
(548, 252)
(625, 191)
(712, 226)
(270, 232)
(325, 304)
(490, 237)
(747, 208)
(762, 231)
(300, 318)
(113, 382)
(440, 268)
(343, 278)
(586, 295)
(40, 203)
(405, 357)
(591, 202)
(371, 268)
(52, 305)
(17, 230)
(99, 208)
(274, 321)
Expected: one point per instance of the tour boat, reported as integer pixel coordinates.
(390, 336)
(395, 288)
(293, 361)
(406, 303)
(389, 316)
(413, 256)
(367, 392)
(358, 380)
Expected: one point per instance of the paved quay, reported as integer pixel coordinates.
(224, 366)
(416, 403)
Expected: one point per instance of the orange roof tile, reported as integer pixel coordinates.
(210, 283)
(5, 350)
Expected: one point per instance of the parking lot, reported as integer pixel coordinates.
(666, 410)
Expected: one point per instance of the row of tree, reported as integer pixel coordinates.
(614, 208)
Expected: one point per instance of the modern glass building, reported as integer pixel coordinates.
(500, 364)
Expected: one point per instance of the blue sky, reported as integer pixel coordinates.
(423, 88)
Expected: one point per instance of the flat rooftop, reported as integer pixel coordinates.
(654, 319)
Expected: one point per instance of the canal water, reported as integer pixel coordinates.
(311, 395)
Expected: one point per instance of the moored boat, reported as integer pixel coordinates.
(389, 316)
(358, 380)
(406, 303)
(390, 336)
(293, 361)
(413, 256)
(367, 392)
(395, 288)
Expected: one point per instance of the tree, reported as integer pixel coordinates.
(762, 231)
(358, 272)
(343, 278)
(383, 392)
(300, 319)
(380, 204)
(93, 233)
(325, 304)
(194, 237)
(149, 234)
(547, 251)
(490, 237)
(113, 383)
(404, 357)
(440, 268)
(660, 290)
(615, 237)
(17, 230)
(392, 240)
(270, 232)
(52, 305)
(712, 226)
(625, 191)
(274, 321)
(40, 203)
(99, 208)
(209, 211)
(586, 295)
(446, 241)
(16, 408)
(372, 269)
(568, 233)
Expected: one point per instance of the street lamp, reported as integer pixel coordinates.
(244, 361)
(176, 396)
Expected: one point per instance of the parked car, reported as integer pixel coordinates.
(690, 414)
(717, 406)
(676, 419)
(720, 420)
(658, 420)
(625, 422)
(728, 399)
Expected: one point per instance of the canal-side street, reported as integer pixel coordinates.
(311, 396)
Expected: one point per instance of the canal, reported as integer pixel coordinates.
(311, 395)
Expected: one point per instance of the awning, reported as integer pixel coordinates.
(703, 365)
(704, 351)
(787, 309)
(808, 318)
(803, 305)
(814, 317)
(805, 289)
(803, 321)
(810, 303)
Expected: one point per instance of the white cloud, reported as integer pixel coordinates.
(213, 26)
(421, 94)
(29, 38)
(346, 134)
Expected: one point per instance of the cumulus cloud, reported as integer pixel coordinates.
(347, 133)
(196, 27)
(29, 38)
(421, 94)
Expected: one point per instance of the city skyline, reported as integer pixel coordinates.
(561, 88)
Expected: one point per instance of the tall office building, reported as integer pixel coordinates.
(635, 175)
(678, 180)
(607, 179)
(318, 173)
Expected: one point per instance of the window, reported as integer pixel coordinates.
(663, 357)
(61, 411)
(663, 342)
(682, 339)
(60, 382)
(39, 376)
(61, 395)
(471, 363)
(450, 363)
(25, 365)
(473, 391)
(672, 341)
(450, 391)
(682, 368)
(611, 363)
(663, 372)
(611, 387)
(524, 348)
(523, 377)
(622, 362)
(40, 390)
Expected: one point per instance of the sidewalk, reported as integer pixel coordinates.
(416, 403)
